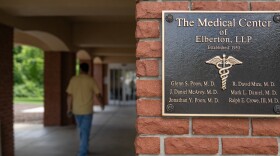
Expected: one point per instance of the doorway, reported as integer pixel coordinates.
(122, 84)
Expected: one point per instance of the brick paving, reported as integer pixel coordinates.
(27, 117)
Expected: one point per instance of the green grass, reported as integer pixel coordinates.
(25, 100)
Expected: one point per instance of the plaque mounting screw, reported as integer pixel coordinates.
(277, 109)
(170, 108)
(276, 18)
(169, 18)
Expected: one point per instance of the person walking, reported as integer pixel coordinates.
(81, 90)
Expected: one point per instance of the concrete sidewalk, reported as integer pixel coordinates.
(113, 134)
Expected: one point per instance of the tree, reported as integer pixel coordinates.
(28, 71)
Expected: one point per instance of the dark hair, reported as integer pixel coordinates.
(84, 67)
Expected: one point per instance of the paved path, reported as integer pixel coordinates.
(113, 134)
(28, 113)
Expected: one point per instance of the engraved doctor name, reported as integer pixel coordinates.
(201, 88)
(253, 92)
(205, 91)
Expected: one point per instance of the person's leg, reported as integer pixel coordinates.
(79, 119)
(85, 134)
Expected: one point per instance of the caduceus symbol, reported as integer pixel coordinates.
(223, 64)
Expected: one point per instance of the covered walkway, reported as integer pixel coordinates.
(113, 134)
(99, 33)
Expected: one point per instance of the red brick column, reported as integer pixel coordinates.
(59, 67)
(184, 136)
(6, 90)
(52, 80)
(98, 76)
(68, 70)
(105, 85)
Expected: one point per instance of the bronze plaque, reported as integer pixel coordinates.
(221, 64)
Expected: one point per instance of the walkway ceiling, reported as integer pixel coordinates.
(80, 24)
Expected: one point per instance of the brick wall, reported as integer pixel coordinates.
(98, 76)
(59, 67)
(52, 80)
(68, 64)
(105, 85)
(6, 90)
(189, 135)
